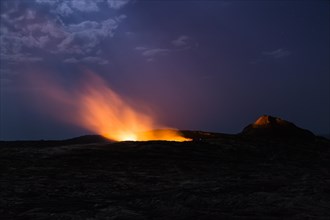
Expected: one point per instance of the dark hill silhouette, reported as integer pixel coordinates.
(269, 126)
(85, 139)
(215, 176)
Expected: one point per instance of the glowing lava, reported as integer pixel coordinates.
(97, 108)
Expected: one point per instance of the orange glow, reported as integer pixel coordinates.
(97, 108)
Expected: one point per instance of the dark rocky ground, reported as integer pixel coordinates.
(217, 177)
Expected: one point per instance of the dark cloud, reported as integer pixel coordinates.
(48, 2)
(85, 6)
(90, 59)
(270, 56)
(68, 7)
(96, 60)
(22, 57)
(117, 4)
(28, 28)
(181, 41)
(155, 52)
(71, 60)
(82, 38)
(63, 9)
(279, 53)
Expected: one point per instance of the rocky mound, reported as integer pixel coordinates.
(269, 126)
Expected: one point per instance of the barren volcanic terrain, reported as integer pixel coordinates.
(216, 176)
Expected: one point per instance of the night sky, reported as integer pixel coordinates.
(199, 65)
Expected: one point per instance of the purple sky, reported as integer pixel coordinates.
(200, 65)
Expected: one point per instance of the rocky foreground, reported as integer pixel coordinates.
(215, 176)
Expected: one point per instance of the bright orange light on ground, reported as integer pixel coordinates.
(96, 107)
